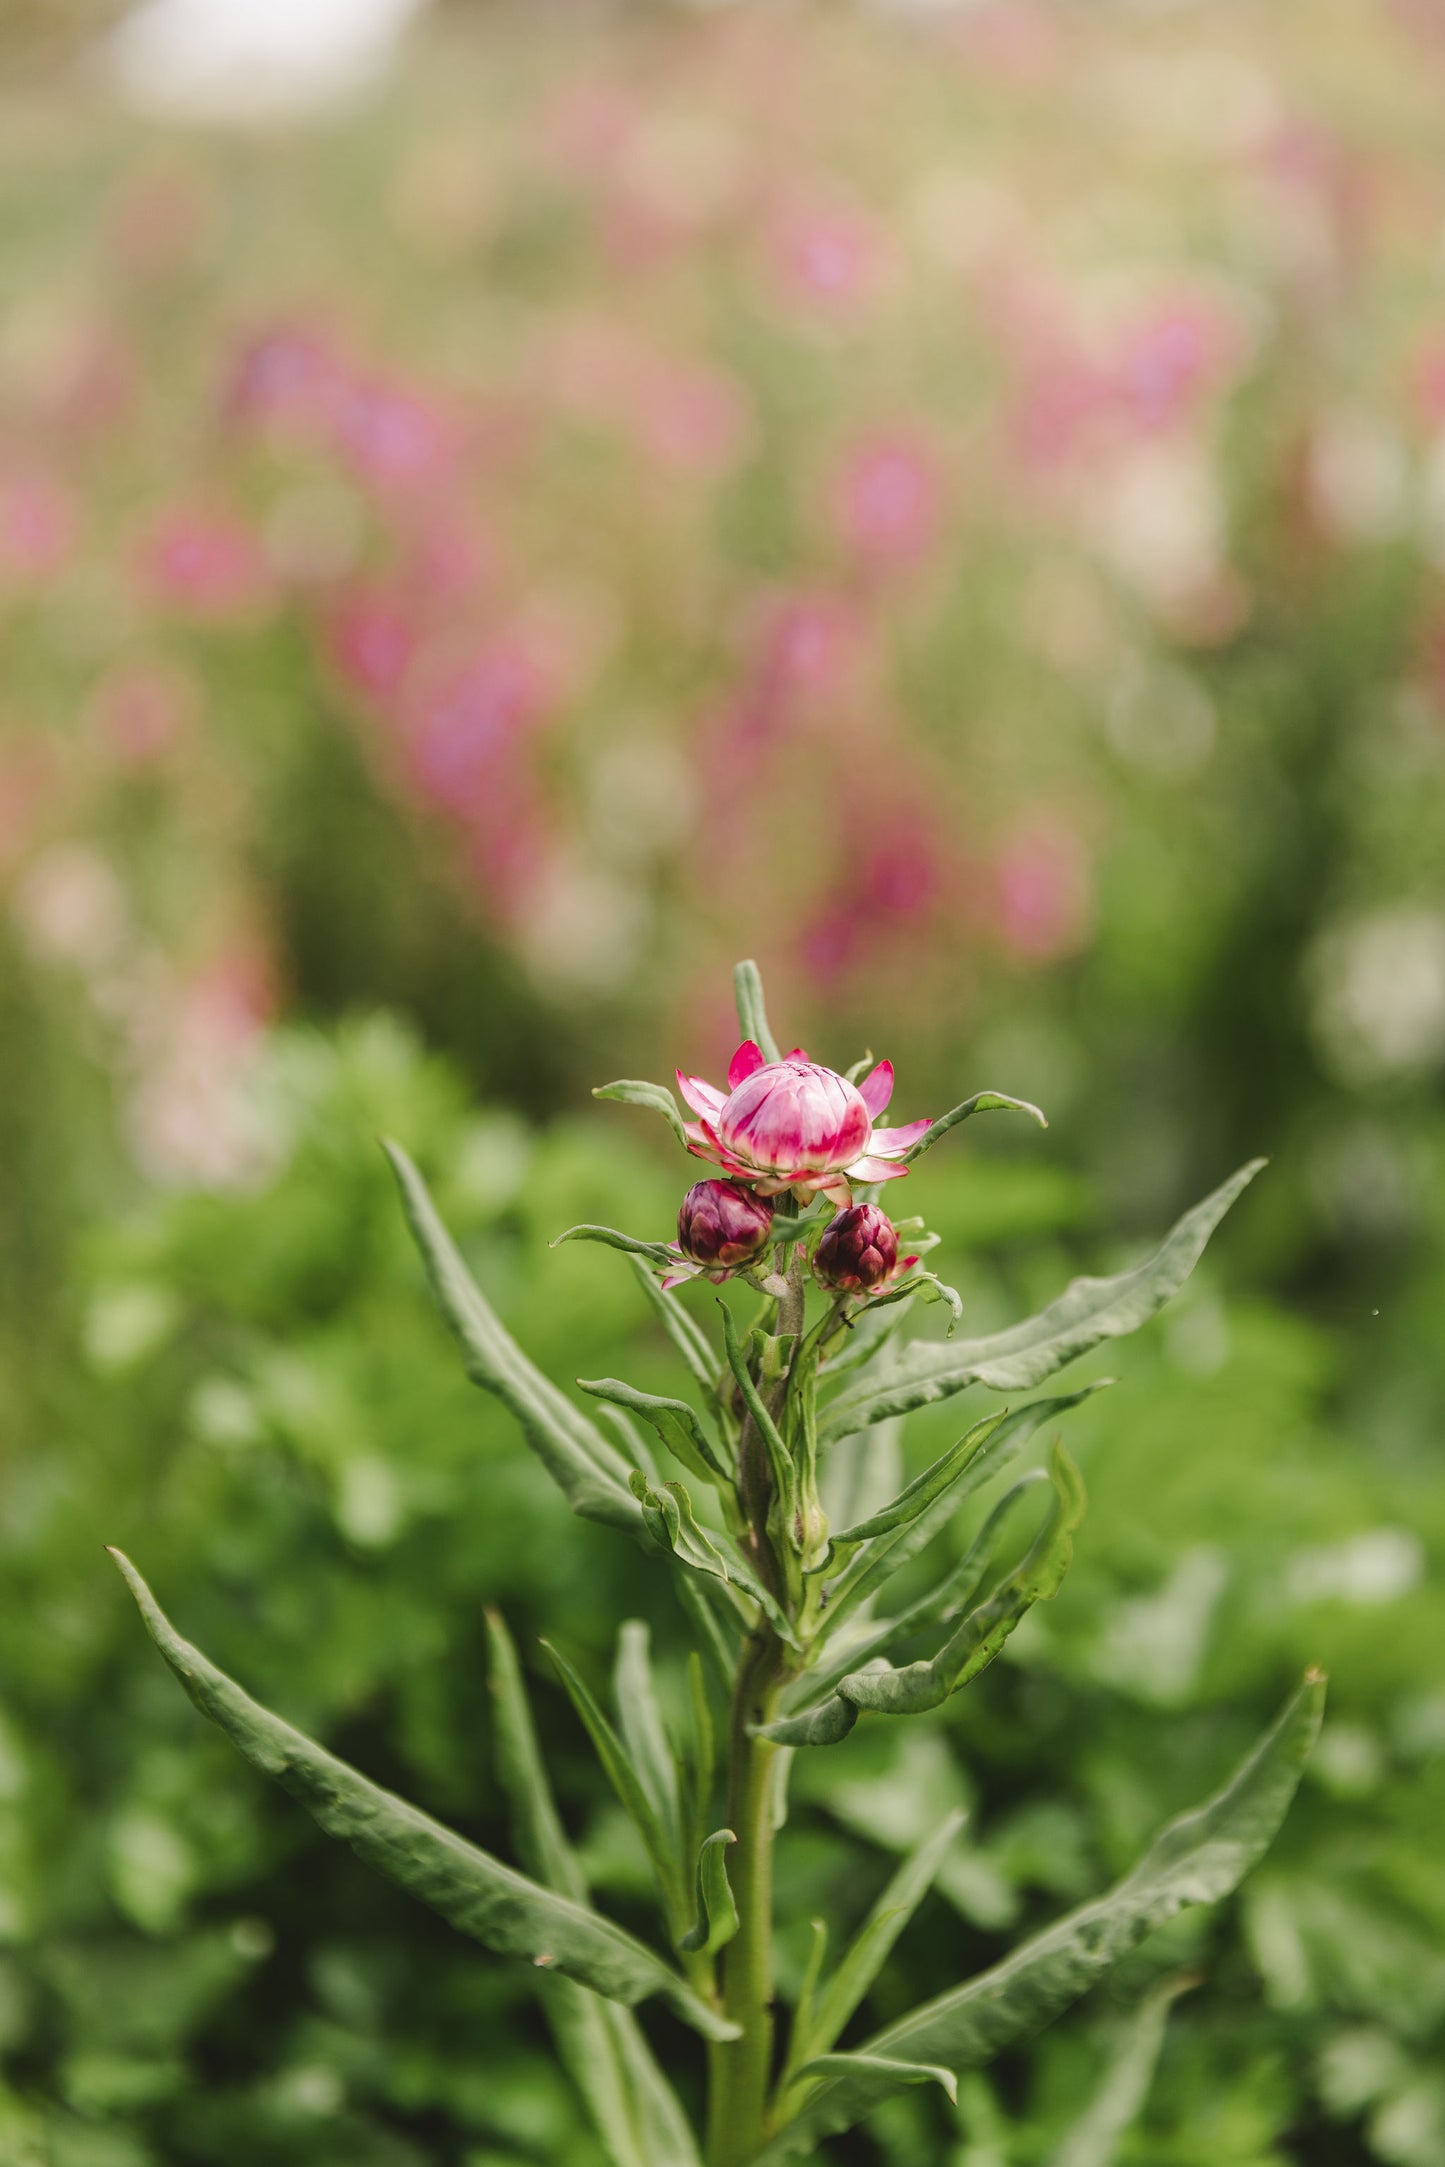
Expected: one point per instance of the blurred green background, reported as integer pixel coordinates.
(949, 500)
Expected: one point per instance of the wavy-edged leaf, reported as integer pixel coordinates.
(656, 1097)
(583, 1463)
(982, 1102)
(717, 1911)
(924, 1488)
(920, 1686)
(1088, 1311)
(752, 1013)
(673, 1525)
(639, 1716)
(1118, 2101)
(634, 2108)
(675, 1421)
(820, 2025)
(655, 1252)
(1196, 1859)
(785, 1480)
(473, 1891)
(658, 1839)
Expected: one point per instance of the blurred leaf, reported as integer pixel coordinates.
(638, 1712)
(472, 1890)
(655, 1096)
(752, 1012)
(1095, 2138)
(575, 1453)
(658, 1838)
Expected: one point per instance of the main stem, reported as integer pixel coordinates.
(740, 2070)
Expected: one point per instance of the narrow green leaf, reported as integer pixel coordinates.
(1088, 1311)
(823, 1725)
(807, 1992)
(656, 1253)
(584, 1464)
(784, 1473)
(976, 1642)
(639, 1715)
(675, 1422)
(869, 1950)
(686, 1335)
(1196, 1859)
(717, 1913)
(670, 1520)
(922, 1491)
(473, 1891)
(982, 1102)
(876, 2076)
(634, 2108)
(658, 1840)
(695, 1599)
(1095, 2138)
(703, 1758)
(752, 1014)
(656, 1097)
(860, 1068)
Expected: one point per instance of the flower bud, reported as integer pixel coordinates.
(722, 1225)
(858, 1251)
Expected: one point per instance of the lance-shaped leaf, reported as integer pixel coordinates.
(826, 2013)
(875, 2077)
(634, 2108)
(1118, 2101)
(982, 1102)
(1003, 1438)
(656, 1253)
(784, 1473)
(1194, 1860)
(1088, 1311)
(639, 1714)
(584, 1464)
(472, 1890)
(656, 1097)
(974, 1645)
(659, 1841)
(752, 1014)
(717, 1912)
(924, 1488)
(675, 1422)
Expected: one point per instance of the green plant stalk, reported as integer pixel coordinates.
(740, 2070)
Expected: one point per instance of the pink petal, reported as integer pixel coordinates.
(701, 1142)
(888, 1143)
(870, 1169)
(676, 1279)
(838, 1192)
(797, 1054)
(876, 1088)
(748, 1057)
(703, 1098)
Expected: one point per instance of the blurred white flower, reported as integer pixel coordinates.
(1159, 517)
(1359, 475)
(1379, 994)
(1371, 1569)
(215, 60)
(71, 908)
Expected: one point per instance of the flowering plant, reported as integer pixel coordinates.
(782, 1612)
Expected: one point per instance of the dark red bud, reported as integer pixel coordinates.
(721, 1224)
(858, 1251)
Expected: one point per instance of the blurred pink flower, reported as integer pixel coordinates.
(1041, 891)
(204, 564)
(38, 526)
(393, 436)
(142, 708)
(286, 381)
(1172, 358)
(692, 416)
(827, 257)
(458, 731)
(372, 639)
(887, 500)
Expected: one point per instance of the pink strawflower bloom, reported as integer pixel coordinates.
(858, 1252)
(204, 564)
(720, 1228)
(888, 501)
(793, 1124)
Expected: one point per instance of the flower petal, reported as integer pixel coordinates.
(870, 1169)
(876, 1088)
(797, 1054)
(889, 1143)
(702, 1143)
(748, 1057)
(702, 1097)
(837, 1190)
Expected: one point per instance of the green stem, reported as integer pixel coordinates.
(741, 2069)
